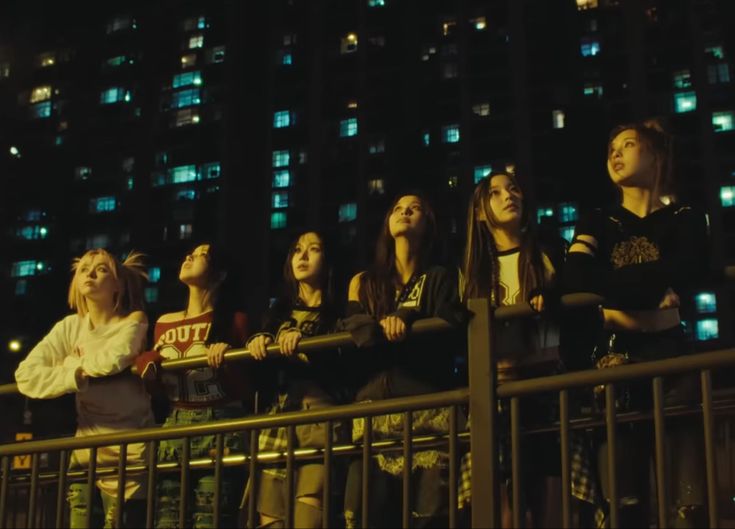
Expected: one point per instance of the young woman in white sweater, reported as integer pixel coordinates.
(88, 353)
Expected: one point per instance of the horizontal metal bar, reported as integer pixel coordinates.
(594, 377)
(365, 409)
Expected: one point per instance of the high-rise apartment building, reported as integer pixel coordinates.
(154, 125)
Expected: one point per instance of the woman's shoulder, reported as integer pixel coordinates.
(137, 316)
(170, 317)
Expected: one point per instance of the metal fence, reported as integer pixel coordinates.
(37, 498)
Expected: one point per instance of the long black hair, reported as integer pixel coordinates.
(378, 284)
(481, 267)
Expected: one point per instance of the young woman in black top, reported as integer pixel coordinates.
(643, 256)
(305, 309)
(398, 289)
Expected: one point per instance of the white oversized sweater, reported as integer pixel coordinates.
(105, 403)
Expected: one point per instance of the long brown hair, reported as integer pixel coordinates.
(659, 143)
(378, 284)
(481, 267)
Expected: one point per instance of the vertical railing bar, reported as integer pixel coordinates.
(150, 507)
(184, 482)
(4, 490)
(367, 442)
(610, 421)
(33, 492)
(453, 480)
(253, 478)
(515, 442)
(327, 492)
(709, 446)
(91, 474)
(566, 481)
(483, 419)
(407, 467)
(120, 506)
(219, 453)
(61, 490)
(290, 500)
(660, 436)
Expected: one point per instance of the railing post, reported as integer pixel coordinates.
(60, 491)
(709, 447)
(4, 490)
(483, 410)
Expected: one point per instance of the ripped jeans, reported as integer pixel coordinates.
(134, 515)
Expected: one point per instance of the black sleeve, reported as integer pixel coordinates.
(584, 272)
(444, 298)
(689, 263)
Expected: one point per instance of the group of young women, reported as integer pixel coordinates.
(641, 255)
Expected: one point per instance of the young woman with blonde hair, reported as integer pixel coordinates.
(88, 353)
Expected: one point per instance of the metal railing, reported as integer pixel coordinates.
(482, 395)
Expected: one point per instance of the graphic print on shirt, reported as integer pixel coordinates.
(413, 299)
(307, 321)
(509, 286)
(186, 339)
(636, 250)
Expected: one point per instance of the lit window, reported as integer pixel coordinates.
(4, 70)
(187, 79)
(707, 330)
(196, 41)
(567, 212)
(567, 233)
(130, 183)
(376, 186)
(21, 287)
(151, 294)
(186, 194)
(40, 93)
(593, 90)
(481, 109)
(376, 3)
(427, 52)
(119, 60)
(727, 196)
(28, 268)
(32, 233)
(685, 102)
(448, 27)
(114, 95)
(453, 182)
(303, 157)
(281, 158)
(289, 39)
(285, 58)
(202, 23)
(682, 79)
(101, 240)
(185, 231)
(154, 274)
(349, 43)
(183, 174)
(41, 110)
(348, 127)
(216, 55)
(82, 173)
(47, 59)
(187, 116)
(558, 118)
(706, 302)
(279, 199)
(281, 178)
(722, 121)
(211, 170)
(120, 23)
(450, 134)
(715, 52)
(102, 204)
(188, 60)
(481, 171)
(377, 147)
(450, 70)
(281, 119)
(186, 98)
(426, 138)
(589, 47)
(718, 73)
(278, 220)
(377, 40)
(479, 23)
(544, 213)
(347, 212)
(586, 4)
